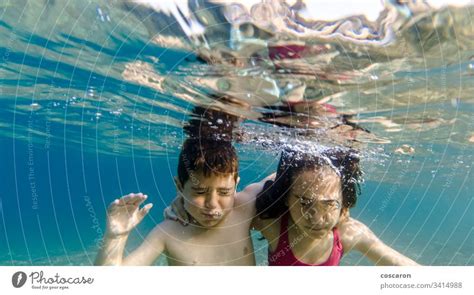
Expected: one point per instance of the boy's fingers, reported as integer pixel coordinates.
(131, 199)
(113, 204)
(144, 211)
(139, 200)
(127, 198)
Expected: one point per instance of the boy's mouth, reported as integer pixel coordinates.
(212, 215)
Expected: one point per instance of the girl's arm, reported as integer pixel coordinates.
(356, 235)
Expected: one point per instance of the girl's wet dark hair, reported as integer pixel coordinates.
(271, 202)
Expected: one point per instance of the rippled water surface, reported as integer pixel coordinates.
(94, 95)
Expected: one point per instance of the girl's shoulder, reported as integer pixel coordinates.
(351, 232)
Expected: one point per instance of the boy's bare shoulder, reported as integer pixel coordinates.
(167, 228)
(250, 191)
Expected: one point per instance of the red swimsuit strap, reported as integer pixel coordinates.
(283, 254)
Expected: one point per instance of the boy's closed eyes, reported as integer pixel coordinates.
(222, 191)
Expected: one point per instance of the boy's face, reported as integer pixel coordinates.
(209, 199)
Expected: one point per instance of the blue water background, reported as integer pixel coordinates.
(53, 202)
(54, 190)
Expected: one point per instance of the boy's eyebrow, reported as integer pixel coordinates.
(199, 187)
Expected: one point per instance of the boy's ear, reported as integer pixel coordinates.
(178, 184)
(237, 182)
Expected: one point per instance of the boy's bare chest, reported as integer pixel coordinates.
(228, 245)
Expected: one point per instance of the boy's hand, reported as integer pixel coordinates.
(124, 214)
(176, 211)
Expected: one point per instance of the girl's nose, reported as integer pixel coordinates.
(316, 217)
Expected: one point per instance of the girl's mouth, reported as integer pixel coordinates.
(314, 229)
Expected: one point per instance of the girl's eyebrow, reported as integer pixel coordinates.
(330, 201)
(314, 198)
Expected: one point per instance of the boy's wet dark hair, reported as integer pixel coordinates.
(208, 149)
(271, 202)
(210, 157)
(210, 124)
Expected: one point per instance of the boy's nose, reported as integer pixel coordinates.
(211, 201)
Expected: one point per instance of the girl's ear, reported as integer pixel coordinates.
(177, 183)
(344, 214)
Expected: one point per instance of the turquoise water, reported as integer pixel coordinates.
(91, 108)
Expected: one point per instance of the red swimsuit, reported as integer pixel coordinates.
(283, 255)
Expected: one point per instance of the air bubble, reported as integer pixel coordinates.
(405, 150)
(374, 77)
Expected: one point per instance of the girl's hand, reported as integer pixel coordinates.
(124, 214)
(176, 211)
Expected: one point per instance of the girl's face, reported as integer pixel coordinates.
(315, 201)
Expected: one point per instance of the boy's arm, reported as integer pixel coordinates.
(356, 235)
(149, 250)
(246, 199)
(249, 194)
(123, 215)
(111, 252)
